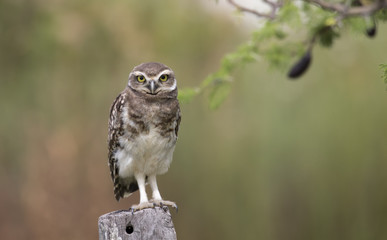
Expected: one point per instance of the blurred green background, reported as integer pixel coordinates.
(279, 159)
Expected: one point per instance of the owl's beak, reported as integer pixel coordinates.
(152, 87)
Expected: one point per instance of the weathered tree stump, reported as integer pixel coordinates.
(150, 223)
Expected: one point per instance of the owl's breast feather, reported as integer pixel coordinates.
(148, 152)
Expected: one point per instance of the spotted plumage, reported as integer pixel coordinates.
(143, 126)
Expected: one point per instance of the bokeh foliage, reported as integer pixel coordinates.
(277, 160)
(290, 34)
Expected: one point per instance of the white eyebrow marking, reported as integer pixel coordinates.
(173, 87)
(137, 73)
(166, 71)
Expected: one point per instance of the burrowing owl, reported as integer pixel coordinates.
(143, 125)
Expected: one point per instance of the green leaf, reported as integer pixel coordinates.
(267, 31)
(219, 93)
(383, 67)
(327, 35)
(220, 74)
(290, 14)
(187, 94)
(382, 15)
(280, 34)
(279, 56)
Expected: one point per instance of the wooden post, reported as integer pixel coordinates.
(150, 223)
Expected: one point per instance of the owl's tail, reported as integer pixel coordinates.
(124, 187)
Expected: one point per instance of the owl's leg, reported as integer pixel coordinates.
(156, 197)
(141, 187)
(144, 203)
(155, 190)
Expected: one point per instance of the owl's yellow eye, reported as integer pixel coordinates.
(163, 77)
(141, 78)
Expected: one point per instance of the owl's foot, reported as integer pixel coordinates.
(141, 206)
(162, 203)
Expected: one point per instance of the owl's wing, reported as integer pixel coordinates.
(178, 120)
(116, 129)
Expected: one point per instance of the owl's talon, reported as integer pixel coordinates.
(131, 210)
(164, 204)
(141, 206)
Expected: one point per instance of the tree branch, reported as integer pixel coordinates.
(274, 6)
(352, 11)
(343, 9)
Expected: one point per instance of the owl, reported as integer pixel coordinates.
(143, 126)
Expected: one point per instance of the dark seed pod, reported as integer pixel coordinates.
(301, 66)
(371, 26)
(371, 31)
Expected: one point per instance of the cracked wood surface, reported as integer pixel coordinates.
(150, 223)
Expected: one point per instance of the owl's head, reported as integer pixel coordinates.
(154, 80)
